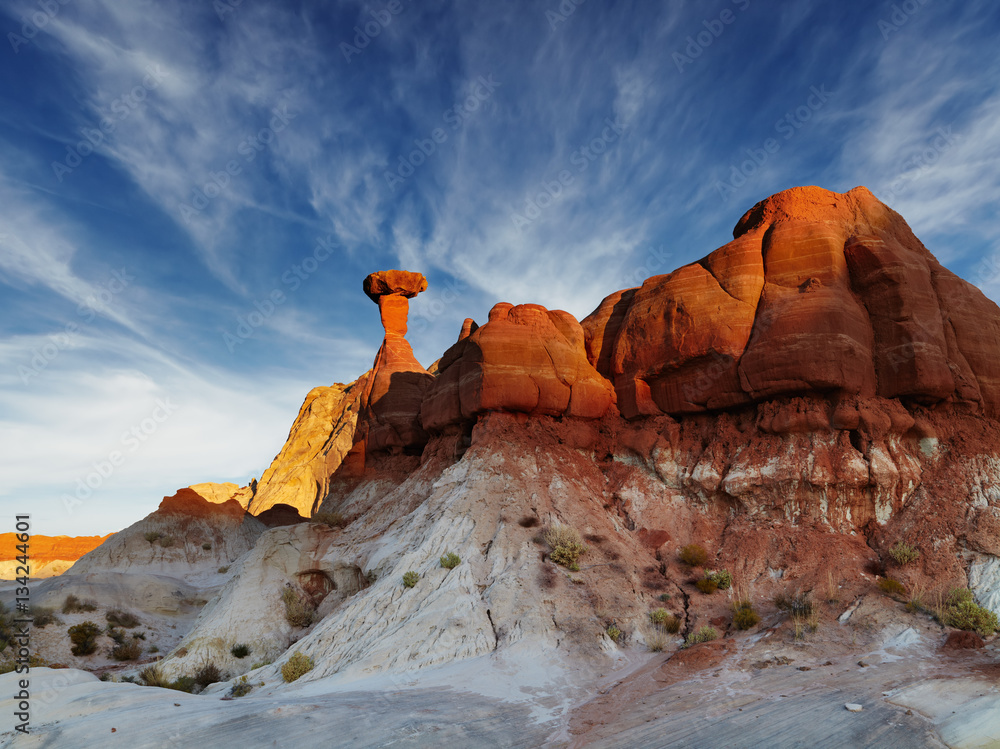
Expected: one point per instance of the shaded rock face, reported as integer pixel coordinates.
(526, 359)
(390, 400)
(819, 292)
(320, 438)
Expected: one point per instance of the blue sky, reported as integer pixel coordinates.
(192, 192)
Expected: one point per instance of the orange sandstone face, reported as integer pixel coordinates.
(402, 282)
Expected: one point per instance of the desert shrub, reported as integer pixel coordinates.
(152, 536)
(182, 684)
(126, 651)
(167, 541)
(798, 605)
(223, 570)
(84, 638)
(722, 579)
(332, 519)
(206, 546)
(656, 640)
(891, 587)
(902, 553)
(664, 597)
(962, 612)
(261, 664)
(121, 618)
(115, 634)
(702, 635)
(296, 666)
(242, 687)
(297, 612)
(72, 604)
(665, 621)
(154, 648)
(208, 674)
(613, 632)
(528, 521)
(706, 586)
(138, 635)
(694, 555)
(240, 650)
(410, 579)
(744, 615)
(565, 545)
(450, 560)
(43, 616)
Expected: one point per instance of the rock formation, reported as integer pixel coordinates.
(818, 293)
(526, 359)
(173, 539)
(49, 555)
(391, 397)
(320, 437)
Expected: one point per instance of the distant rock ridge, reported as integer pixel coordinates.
(48, 555)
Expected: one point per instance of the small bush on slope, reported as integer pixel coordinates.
(296, 666)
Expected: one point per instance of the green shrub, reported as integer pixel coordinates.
(410, 579)
(182, 684)
(115, 634)
(261, 664)
(206, 546)
(84, 638)
(961, 612)
(664, 597)
(42, 616)
(744, 615)
(121, 618)
(152, 536)
(154, 648)
(722, 579)
(296, 666)
(706, 586)
(702, 635)
(613, 632)
(242, 687)
(694, 555)
(902, 553)
(223, 570)
(450, 560)
(127, 651)
(332, 519)
(72, 604)
(297, 612)
(891, 587)
(664, 620)
(167, 541)
(240, 650)
(208, 674)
